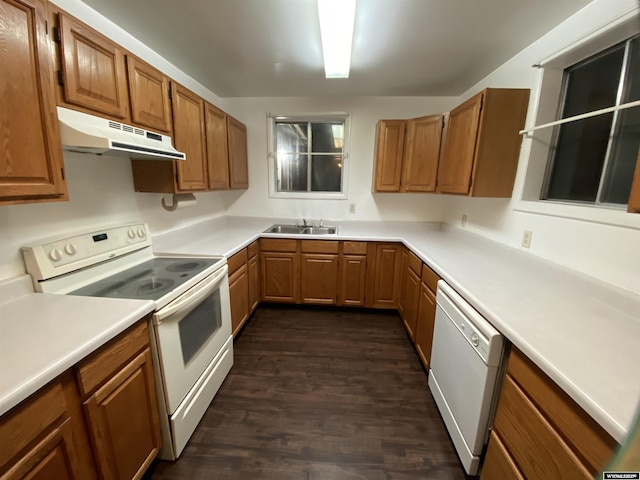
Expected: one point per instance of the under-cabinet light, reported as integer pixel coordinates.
(336, 30)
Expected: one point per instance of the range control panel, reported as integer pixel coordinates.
(62, 255)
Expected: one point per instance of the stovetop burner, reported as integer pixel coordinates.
(149, 280)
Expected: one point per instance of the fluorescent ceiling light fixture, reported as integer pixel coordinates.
(336, 30)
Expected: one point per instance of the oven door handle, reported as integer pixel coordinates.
(192, 298)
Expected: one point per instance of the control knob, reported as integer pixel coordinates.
(70, 248)
(475, 341)
(55, 254)
(131, 233)
(141, 232)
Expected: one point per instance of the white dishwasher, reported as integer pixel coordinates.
(465, 370)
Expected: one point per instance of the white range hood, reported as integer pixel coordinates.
(85, 133)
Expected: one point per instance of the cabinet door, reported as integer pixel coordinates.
(238, 161)
(389, 150)
(149, 95)
(217, 152)
(122, 419)
(239, 297)
(421, 154)
(94, 70)
(188, 137)
(44, 438)
(31, 154)
(319, 278)
(425, 323)
(254, 283)
(353, 277)
(456, 165)
(279, 276)
(386, 287)
(498, 464)
(410, 297)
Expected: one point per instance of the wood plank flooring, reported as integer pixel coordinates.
(320, 394)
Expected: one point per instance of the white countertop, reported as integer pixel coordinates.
(42, 334)
(583, 333)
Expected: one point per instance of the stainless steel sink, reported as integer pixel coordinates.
(301, 230)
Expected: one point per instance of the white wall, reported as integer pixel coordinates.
(599, 249)
(365, 112)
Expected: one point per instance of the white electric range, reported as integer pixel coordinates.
(191, 341)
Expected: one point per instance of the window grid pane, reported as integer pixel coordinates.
(309, 155)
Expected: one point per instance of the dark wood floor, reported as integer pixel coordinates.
(320, 395)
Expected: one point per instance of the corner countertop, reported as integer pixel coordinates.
(43, 334)
(583, 333)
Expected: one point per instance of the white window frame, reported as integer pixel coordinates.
(546, 103)
(309, 117)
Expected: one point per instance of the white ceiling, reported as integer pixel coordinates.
(271, 48)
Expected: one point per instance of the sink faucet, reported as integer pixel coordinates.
(304, 222)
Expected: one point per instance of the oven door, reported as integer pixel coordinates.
(189, 332)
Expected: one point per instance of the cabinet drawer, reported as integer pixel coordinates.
(498, 464)
(277, 245)
(354, 248)
(23, 425)
(253, 249)
(591, 443)
(319, 246)
(536, 448)
(237, 260)
(430, 278)
(109, 359)
(414, 263)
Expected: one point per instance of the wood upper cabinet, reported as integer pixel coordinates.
(120, 404)
(149, 96)
(44, 437)
(482, 144)
(421, 154)
(634, 198)
(238, 160)
(389, 150)
(539, 432)
(217, 148)
(31, 165)
(94, 70)
(189, 137)
(383, 283)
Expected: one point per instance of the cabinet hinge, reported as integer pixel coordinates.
(62, 173)
(60, 77)
(470, 181)
(46, 27)
(56, 34)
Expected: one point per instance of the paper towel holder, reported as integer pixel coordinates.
(178, 199)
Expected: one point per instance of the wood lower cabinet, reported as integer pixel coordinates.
(149, 96)
(94, 72)
(239, 298)
(383, 284)
(410, 297)
(319, 278)
(539, 432)
(482, 144)
(31, 164)
(120, 404)
(352, 285)
(44, 438)
(425, 323)
(253, 265)
(279, 266)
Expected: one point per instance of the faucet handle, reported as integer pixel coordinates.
(321, 223)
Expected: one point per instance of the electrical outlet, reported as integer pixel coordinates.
(526, 238)
(463, 221)
(352, 208)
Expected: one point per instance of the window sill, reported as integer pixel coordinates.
(603, 215)
(309, 195)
